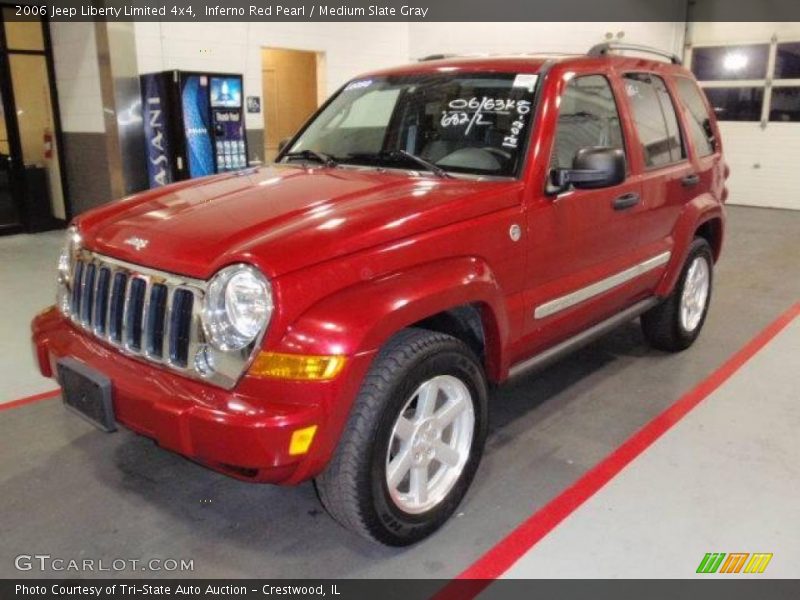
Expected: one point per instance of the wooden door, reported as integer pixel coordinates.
(289, 80)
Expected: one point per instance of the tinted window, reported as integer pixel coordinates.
(736, 104)
(655, 119)
(730, 62)
(785, 104)
(587, 117)
(700, 128)
(787, 61)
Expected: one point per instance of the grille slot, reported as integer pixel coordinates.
(180, 325)
(154, 326)
(116, 308)
(77, 287)
(134, 313)
(87, 294)
(101, 300)
(147, 314)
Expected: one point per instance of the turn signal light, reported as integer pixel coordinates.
(297, 366)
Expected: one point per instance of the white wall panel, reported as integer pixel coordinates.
(348, 49)
(465, 38)
(763, 163)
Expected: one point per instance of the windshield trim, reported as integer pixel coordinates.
(419, 173)
(525, 149)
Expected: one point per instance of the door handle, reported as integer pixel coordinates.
(690, 180)
(626, 201)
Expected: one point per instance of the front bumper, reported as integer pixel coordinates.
(244, 432)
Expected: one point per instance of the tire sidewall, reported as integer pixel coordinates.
(402, 527)
(699, 248)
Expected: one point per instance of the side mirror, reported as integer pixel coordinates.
(282, 144)
(593, 167)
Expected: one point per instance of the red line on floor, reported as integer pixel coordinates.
(29, 399)
(505, 553)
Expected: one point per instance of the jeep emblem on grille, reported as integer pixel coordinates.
(137, 242)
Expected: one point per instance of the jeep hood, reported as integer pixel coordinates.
(283, 217)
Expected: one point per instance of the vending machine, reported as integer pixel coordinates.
(193, 125)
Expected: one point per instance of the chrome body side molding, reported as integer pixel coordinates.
(569, 300)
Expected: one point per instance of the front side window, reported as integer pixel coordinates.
(655, 119)
(700, 129)
(473, 123)
(587, 117)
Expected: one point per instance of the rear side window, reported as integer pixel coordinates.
(588, 116)
(700, 128)
(655, 119)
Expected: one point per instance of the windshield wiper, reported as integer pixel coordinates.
(320, 157)
(395, 155)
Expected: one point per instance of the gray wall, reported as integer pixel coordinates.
(86, 167)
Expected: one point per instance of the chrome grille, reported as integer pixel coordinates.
(141, 311)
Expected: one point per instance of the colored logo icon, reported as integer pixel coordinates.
(735, 562)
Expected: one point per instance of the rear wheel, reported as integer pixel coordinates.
(413, 441)
(675, 324)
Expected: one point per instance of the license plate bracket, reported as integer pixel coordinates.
(87, 393)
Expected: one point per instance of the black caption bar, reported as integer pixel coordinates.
(404, 589)
(410, 10)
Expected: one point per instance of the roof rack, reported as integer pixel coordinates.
(606, 47)
(436, 57)
(493, 54)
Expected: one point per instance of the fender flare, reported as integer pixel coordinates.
(699, 210)
(362, 317)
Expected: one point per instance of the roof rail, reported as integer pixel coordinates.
(606, 47)
(436, 57)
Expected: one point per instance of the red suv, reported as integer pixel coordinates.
(434, 229)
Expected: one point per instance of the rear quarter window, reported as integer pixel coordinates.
(701, 130)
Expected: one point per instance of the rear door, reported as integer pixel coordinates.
(701, 131)
(669, 178)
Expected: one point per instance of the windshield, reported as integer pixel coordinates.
(475, 123)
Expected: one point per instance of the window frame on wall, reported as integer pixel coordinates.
(768, 84)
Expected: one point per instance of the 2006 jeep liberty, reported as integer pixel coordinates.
(432, 230)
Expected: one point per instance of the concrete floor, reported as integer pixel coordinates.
(72, 491)
(726, 478)
(27, 285)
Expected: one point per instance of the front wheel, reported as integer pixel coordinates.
(413, 441)
(675, 324)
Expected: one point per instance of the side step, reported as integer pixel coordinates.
(579, 340)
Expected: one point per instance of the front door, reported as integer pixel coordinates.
(584, 244)
(31, 185)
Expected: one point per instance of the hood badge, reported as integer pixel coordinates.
(137, 242)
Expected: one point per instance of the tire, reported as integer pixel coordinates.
(354, 487)
(663, 325)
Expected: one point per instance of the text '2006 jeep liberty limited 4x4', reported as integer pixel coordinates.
(432, 229)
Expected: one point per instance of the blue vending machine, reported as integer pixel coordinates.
(193, 125)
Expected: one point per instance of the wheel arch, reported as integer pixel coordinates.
(457, 296)
(703, 216)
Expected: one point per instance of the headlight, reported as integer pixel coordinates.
(72, 243)
(237, 308)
